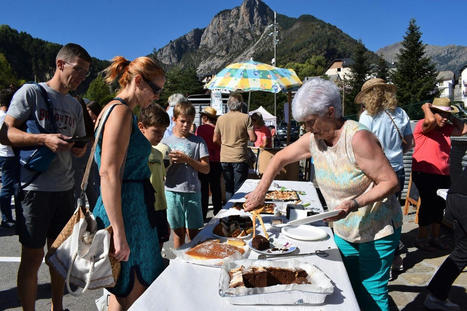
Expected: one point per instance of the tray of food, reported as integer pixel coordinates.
(233, 226)
(213, 252)
(278, 282)
(266, 208)
(282, 195)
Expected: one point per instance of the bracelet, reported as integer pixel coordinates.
(356, 204)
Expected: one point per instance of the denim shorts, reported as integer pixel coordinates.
(184, 210)
(41, 215)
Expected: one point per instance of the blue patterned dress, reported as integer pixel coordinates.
(145, 259)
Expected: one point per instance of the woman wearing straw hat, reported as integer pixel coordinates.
(213, 179)
(391, 125)
(430, 166)
(354, 177)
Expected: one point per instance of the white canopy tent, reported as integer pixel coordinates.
(268, 118)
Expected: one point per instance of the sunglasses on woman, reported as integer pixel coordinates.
(155, 89)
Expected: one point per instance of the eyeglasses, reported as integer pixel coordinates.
(155, 89)
(81, 71)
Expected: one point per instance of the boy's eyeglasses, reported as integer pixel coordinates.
(81, 71)
(155, 89)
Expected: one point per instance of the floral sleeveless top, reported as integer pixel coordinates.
(340, 179)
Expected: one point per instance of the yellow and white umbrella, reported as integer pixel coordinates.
(253, 76)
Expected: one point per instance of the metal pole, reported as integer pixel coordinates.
(275, 59)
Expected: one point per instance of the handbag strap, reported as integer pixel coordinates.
(101, 122)
(397, 128)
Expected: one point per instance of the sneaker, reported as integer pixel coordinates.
(433, 303)
(438, 244)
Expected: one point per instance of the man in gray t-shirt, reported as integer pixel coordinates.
(46, 204)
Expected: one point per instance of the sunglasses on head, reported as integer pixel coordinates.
(155, 89)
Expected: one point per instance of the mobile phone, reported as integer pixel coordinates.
(79, 141)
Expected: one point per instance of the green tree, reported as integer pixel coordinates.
(7, 76)
(382, 69)
(313, 66)
(181, 80)
(360, 70)
(415, 74)
(99, 91)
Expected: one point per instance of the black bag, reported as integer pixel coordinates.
(38, 158)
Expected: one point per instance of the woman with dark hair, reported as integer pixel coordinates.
(127, 196)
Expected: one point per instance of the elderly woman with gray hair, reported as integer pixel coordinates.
(356, 178)
(233, 131)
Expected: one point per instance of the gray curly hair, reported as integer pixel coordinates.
(315, 97)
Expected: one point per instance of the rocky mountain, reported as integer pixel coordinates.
(244, 32)
(450, 57)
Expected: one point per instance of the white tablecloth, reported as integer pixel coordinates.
(185, 286)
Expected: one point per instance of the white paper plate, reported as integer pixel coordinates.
(275, 252)
(305, 233)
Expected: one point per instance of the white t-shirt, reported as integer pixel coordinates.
(5, 151)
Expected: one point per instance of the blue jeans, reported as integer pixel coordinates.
(234, 176)
(10, 177)
(368, 267)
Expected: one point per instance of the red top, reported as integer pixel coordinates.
(261, 133)
(431, 153)
(206, 131)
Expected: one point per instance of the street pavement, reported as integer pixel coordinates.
(407, 291)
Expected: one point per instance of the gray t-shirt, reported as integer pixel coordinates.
(69, 119)
(182, 177)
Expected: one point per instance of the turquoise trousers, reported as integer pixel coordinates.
(368, 267)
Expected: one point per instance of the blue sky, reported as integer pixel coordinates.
(133, 28)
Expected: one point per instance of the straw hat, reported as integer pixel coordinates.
(444, 104)
(372, 83)
(210, 112)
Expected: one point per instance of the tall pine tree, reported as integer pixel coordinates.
(360, 70)
(382, 69)
(415, 74)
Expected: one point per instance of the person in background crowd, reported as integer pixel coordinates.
(233, 131)
(127, 196)
(79, 164)
(454, 264)
(93, 108)
(213, 179)
(355, 178)
(153, 122)
(47, 203)
(193, 128)
(9, 166)
(172, 101)
(391, 125)
(262, 132)
(430, 166)
(189, 156)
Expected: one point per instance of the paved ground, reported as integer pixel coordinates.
(407, 290)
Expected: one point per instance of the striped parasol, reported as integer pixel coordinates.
(254, 76)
